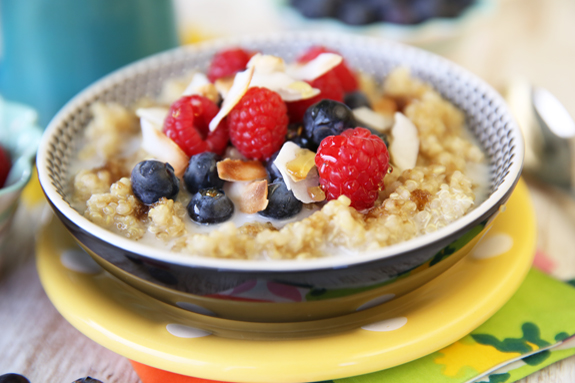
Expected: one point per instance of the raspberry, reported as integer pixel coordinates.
(258, 123)
(227, 63)
(188, 122)
(353, 164)
(4, 166)
(330, 88)
(342, 71)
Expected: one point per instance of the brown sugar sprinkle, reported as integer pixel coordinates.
(421, 198)
(253, 229)
(141, 211)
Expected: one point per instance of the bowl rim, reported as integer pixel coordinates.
(329, 262)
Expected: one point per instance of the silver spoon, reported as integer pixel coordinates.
(548, 130)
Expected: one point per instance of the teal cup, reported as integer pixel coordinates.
(52, 49)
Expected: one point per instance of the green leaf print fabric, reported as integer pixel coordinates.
(530, 332)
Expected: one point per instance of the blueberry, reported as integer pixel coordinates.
(152, 180)
(273, 171)
(295, 135)
(383, 136)
(354, 12)
(13, 378)
(314, 9)
(210, 206)
(326, 118)
(87, 379)
(282, 204)
(202, 173)
(356, 100)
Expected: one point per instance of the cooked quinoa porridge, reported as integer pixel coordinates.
(259, 159)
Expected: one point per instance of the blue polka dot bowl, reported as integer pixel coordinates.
(20, 136)
(286, 291)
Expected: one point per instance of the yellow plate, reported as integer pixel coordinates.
(409, 327)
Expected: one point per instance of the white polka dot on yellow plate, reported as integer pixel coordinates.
(493, 246)
(386, 325)
(79, 261)
(182, 331)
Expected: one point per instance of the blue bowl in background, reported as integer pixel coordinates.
(20, 135)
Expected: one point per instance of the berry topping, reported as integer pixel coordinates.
(326, 118)
(202, 173)
(13, 378)
(343, 73)
(152, 180)
(227, 63)
(187, 125)
(330, 88)
(258, 123)
(356, 100)
(272, 170)
(353, 164)
(4, 166)
(316, 8)
(282, 203)
(87, 379)
(296, 135)
(209, 206)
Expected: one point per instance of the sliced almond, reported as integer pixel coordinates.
(301, 189)
(374, 120)
(160, 146)
(267, 63)
(300, 166)
(254, 197)
(239, 88)
(404, 147)
(155, 115)
(223, 85)
(314, 68)
(288, 88)
(198, 81)
(238, 170)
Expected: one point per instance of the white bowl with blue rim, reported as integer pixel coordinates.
(20, 135)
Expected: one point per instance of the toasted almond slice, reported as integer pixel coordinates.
(314, 68)
(155, 115)
(288, 88)
(239, 88)
(266, 63)
(238, 170)
(300, 166)
(304, 190)
(254, 197)
(198, 81)
(404, 147)
(372, 119)
(301, 189)
(223, 85)
(160, 146)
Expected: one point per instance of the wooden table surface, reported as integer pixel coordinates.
(530, 38)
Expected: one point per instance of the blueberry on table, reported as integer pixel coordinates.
(87, 379)
(356, 100)
(152, 180)
(13, 378)
(202, 173)
(209, 206)
(326, 118)
(282, 204)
